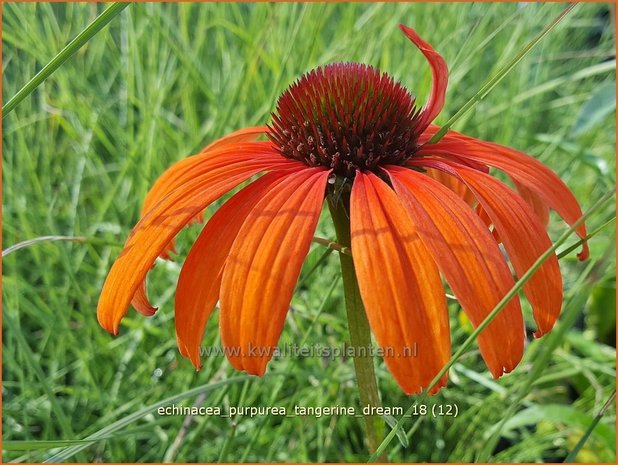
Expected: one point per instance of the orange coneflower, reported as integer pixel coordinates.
(417, 210)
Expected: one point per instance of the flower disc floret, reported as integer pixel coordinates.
(348, 117)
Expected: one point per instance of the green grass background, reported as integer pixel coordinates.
(163, 80)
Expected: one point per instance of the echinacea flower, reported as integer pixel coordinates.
(418, 212)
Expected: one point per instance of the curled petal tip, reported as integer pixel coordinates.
(148, 311)
(406, 29)
(585, 253)
(415, 38)
(141, 303)
(538, 333)
(167, 254)
(439, 73)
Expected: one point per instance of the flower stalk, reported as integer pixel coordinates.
(360, 336)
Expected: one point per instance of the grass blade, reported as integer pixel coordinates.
(44, 239)
(573, 454)
(578, 244)
(107, 431)
(494, 80)
(67, 52)
(36, 240)
(36, 445)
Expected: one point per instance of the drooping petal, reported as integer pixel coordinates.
(525, 240)
(177, 174)
(469, 259)
(452, 184)
(183, 171)
(141, 303)
(535, 201)
(154, 231)
(125, 281)
(482, 214)
(263, 266)
(399, 284)
(174, 175)
(166, 183)
(242, 135)
(140, 300)
(521, 167)
(200, 278)
(439, 74)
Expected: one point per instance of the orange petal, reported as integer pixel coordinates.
(400, 286)
(263, 266)
(428, 133)
(176, 174)
(453, 184)
(200, 279)
(439, 74)
(521, 167)
(242, 135)
(525, 240)
(535, 201)
(215, 155)
(141, 303)
(480, 211)
(170, 180)
(154, 231)
(182, 172)
(469, 259)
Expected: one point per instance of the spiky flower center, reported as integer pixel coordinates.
(348, 117)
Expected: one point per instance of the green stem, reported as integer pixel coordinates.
(360, 336)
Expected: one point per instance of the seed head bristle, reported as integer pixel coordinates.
(348, 117)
